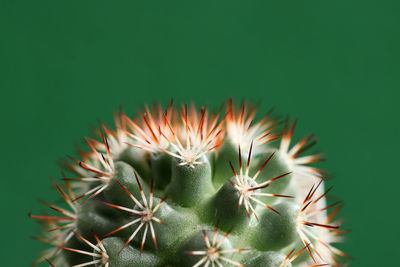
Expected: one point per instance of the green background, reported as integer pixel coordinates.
(334, 65)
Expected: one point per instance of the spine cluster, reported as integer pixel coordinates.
(187, 187)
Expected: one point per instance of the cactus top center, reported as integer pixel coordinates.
(189, 156)
(147, 215)
(244, 191)
(104, 259)
(213, 253)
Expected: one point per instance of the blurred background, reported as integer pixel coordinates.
(333, 65)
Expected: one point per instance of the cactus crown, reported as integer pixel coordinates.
(208, 189)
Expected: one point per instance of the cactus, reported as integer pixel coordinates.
(187, 187)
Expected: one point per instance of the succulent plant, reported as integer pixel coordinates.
(187, 187)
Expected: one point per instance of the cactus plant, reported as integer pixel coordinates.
(187, 187)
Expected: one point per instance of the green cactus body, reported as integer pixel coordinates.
(183, 187)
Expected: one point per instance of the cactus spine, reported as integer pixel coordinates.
(187, 187)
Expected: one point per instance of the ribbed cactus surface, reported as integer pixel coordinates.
(183, 186)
